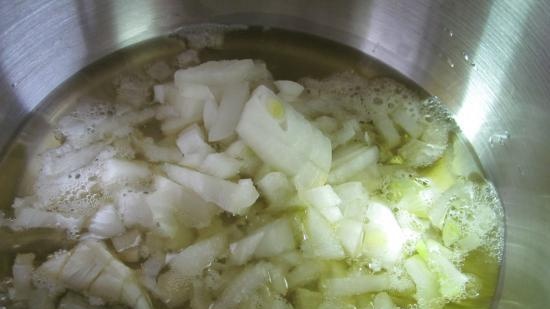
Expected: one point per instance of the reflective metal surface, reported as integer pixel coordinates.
(487, 59)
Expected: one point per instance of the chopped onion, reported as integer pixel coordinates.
(347, 214)
(321, 241)
(283, 138)
(193, 259)
(230, 196)
(242, 250)
(106, 223)
(242, 286)
(118, 173)
(216, 72)
(220, 165)
(22, 270)
(191, 141)
(288, 90)
(229, 112)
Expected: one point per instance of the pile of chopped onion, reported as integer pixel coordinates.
(256, 194)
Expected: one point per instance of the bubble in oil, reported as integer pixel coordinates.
(468, 59)
(450, 62)
(499, 139)
(449, 32)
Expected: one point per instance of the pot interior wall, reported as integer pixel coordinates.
(486, 59)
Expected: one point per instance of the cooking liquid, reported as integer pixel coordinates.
(288, 55)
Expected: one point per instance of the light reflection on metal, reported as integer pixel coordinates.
(481, 95)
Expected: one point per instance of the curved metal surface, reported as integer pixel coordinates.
(487, 59)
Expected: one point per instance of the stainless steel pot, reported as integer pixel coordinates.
(488, 60)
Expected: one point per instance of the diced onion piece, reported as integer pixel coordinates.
(216, 72)
(451, 281)
(276, 188)
(22, 271)
(73, 301)
(354, 200)
(383, 301)
(427, 286)
(307, 299)
(220, 165)
(451, 232)
(249, 162)
(106, 223)
(242, 287)
(277, 280)
(278, 238)
(93, 269)
(416, 199)
(189, 100)
(284, 139)
(485, 221)
(335, 303)
(386, 128)
(27, 218)
(289, 259)
(167, 223)
(191, 141)
(437, 132)
(210, 114)
(355, 285)
(110, 281)
(230, 196)
(56, 163)
(117, 125)
(350, 161)
(407, 121)
(86, 262)
(156, 153)
(130, 255)
(130, 239)
(134, 210)
(438, 212)
(321, 241)
(153, 265)
(346, 133)
(420, 154)
(40, 299)
(288, 90)
(260, 74)
(321, 197)
(241, 251)
(325, 200)
(351, 191)
(229, 112)
(192, 260)
(47, 275)
(117, 172)
(383, 239)
(305, 273)
(183, 204)
(350, 233)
